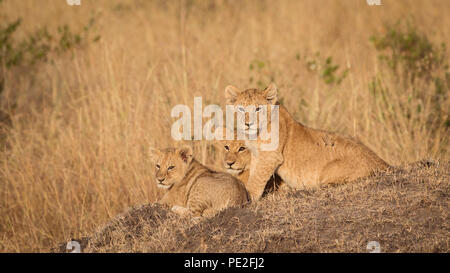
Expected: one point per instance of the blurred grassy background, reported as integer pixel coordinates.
(80, 120)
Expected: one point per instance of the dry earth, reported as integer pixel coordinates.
(405, 209)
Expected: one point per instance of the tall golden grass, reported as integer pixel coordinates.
(76, 154)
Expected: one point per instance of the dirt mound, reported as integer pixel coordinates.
(404, 209)
(220, 233)
(136, 224)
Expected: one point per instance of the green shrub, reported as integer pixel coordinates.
(38, 46)
(409, 53)
(419, 69)
(327, 70)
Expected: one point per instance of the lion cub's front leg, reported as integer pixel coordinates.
(181, 210)
(262, 167)
(184, 212)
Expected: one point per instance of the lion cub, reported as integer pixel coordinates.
(303, 157)
(193, 188)
(236, 160)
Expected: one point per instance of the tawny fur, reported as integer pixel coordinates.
(235, 157)
(192, 188)
(305, 157)
(236, 160)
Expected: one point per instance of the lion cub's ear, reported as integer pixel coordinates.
(271, 93)
(186, 154)
(154, 154)
(231, 93)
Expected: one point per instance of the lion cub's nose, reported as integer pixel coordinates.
(161, 179)
(230, 163)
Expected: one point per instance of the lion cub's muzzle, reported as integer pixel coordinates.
(229, 168)
(160, 183)
(251, 128)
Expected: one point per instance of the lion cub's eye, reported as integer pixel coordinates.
(241, 149)
(157, 166)
(257, 109)
(227, 148)
(171, 167)
(241, 109)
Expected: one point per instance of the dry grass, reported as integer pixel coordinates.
(76, 153)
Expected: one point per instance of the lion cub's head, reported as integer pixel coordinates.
(251, 102)
(236, 157)
(171, 165)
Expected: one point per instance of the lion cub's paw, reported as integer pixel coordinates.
(181, 210)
